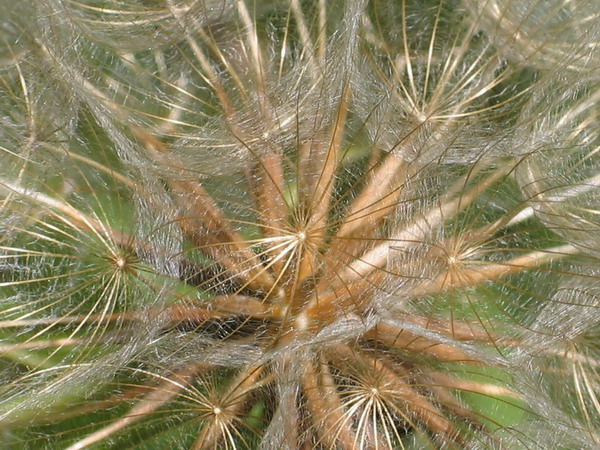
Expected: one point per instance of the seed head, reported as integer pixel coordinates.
(292, 224)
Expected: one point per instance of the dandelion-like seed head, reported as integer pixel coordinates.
(299, 225)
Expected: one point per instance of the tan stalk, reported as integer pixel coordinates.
(487, 389)
(321, 159)
(322, 39)
(219, 308)
(458, 330)
(480, 272)
(378, 198)
(271, 206)
(258, 60)
(162, 394)
(443, 396)
(586, 394)
(91, 406)
(29, 345)
(327, 411)
(205, 225)
(417, 230)
(376, 202)
(407, 341)
(211, 77)
(308, 50)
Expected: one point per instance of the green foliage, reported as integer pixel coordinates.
(299, 224)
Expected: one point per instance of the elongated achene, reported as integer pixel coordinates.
(289, 224)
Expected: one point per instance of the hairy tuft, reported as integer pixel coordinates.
(291, 224)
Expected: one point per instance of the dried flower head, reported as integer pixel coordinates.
(288, 224)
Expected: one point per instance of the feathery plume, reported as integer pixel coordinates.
(286, 224)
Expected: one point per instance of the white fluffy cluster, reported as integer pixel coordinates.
(293, 224)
